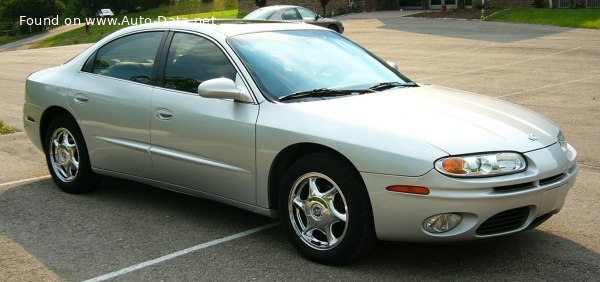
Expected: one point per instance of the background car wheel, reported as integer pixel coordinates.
(67, 157)
(325, 210)
(334, 28)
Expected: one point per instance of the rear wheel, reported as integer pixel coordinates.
(67, 158)
(325, 210)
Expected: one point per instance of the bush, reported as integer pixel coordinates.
(539, 3)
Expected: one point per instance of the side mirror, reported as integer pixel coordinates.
(222, 88)
(317, 17)
(393, 65)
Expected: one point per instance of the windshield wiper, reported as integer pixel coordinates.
(388, 85)
(322, 92)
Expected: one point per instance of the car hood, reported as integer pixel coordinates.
(454, 121)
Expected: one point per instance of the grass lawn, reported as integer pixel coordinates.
(5, 129)
(97, 32)
(584, 18)
(9, 39)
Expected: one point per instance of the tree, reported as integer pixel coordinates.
(324, 6)
(13, 10)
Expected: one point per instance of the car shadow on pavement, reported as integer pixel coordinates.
(115, 226)
(124, 223)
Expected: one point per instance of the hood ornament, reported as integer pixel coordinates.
(532, 137)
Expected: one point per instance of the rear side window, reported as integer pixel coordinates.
(307, 14)
(193, 59)
(131, 57)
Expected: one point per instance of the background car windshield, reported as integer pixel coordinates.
(260, 14)
(286, 62)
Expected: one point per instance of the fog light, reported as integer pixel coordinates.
(442, 222)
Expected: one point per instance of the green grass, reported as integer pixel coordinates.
(584, 18)
(97, 32)
(5, 129)
(9, 39)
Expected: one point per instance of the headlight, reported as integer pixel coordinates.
(488, 164)
(561, 140)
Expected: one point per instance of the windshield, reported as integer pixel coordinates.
(286, 62)
(260, 14)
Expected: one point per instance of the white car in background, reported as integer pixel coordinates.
(105, 13)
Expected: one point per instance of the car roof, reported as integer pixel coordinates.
(225, 27)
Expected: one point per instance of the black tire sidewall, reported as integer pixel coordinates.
(359, 236)
(85, 179)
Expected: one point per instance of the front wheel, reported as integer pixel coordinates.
(67, 158)
(325, 210)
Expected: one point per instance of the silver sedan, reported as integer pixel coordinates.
(294, 14)
(297, 122)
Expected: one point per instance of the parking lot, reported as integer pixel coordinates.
(133, 232)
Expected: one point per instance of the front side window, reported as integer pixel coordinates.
(131, 57)
(193, 59)
(290, 14)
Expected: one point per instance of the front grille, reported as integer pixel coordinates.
(504, 222)
(550, 180)
(515, 187)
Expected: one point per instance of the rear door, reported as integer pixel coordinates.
(111, 97)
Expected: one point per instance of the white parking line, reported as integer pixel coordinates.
(499, 66)
(24, 180)
(180, 253)
(546, 86)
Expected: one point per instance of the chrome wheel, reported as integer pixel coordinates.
(318, 211)
(64, 154)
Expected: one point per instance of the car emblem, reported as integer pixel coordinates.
(532, 137)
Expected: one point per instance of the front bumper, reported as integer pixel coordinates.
(533, 194)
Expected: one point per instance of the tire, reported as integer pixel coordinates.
(67, 157)
(334, 28)
(325, 210)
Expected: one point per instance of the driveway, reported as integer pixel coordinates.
(132, 232)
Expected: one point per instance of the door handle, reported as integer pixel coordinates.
(163, 114)
(80, 98)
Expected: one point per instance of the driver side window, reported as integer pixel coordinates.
(290, 14)
(193, 59)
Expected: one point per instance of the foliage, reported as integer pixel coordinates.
(98, 32)
(12, 10)
(539, 3)
(584, 18)
(5, 129)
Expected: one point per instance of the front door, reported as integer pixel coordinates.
(203, 144)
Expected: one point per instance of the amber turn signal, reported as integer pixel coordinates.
(454, 165)
(408, 189)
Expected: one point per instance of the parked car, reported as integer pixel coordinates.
(297, 122)
(294, 14)
(105, 13)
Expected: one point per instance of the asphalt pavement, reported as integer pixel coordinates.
(152, 234)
